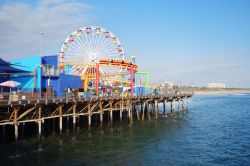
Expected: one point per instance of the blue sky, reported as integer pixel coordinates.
(196, 41)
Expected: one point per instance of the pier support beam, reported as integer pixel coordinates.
(101, 113)
(39, 122)
(182, 100)
(171, 106)
(178, 104)
(130, 106)
(151, 108)
(74, 114)
(149, 118)
(53, 126)
(143, 111)
(156, 109)
(60, 119)
(137, 111)
(174, 106)
(3, 133)
(89, 115)
(111, 112)
(67, 125)
(74, 117)
(74, 122)
(129, 110)
(141, 106)
(165, 108)
(186, 104)
(101, 118)
(15, 122)
(89, 120)
(121, 109)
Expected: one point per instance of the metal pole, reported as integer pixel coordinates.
(131, 81)
(97, 78)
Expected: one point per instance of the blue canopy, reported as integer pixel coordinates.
(6, 67)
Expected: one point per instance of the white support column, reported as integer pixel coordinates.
(174, 106)
(165, 108)
(74, 114)
(156, 109)
(60, 119)
(40, 122)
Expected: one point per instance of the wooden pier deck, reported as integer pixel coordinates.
(39, 110)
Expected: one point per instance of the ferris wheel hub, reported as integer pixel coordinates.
(92, 56)
(86, 47)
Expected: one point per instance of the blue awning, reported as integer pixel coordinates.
(6, 67)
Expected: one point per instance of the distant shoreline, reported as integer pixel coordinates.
(221, 92)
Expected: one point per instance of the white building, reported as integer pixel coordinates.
(168, 84)
(216, 85)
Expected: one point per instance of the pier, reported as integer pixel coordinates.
(99, 84)
(70, 109)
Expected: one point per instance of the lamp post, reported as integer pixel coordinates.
(41, 35)
(133, 56)
(132, 75)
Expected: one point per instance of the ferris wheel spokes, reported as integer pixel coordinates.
(86, 46)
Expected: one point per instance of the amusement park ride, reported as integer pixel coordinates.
(97, 56)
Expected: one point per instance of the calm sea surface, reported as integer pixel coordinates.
(215, 131)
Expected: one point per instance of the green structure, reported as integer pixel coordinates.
(147, 76)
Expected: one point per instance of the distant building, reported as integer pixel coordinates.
(168, 84)
(216, 85)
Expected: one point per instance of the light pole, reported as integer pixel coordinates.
(132, 75)
(41, 35)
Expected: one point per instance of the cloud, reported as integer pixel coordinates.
(21, 23)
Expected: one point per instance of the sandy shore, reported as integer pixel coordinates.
(222, 92)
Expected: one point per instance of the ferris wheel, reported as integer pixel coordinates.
(86, 46)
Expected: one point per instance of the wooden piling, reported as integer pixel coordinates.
(15, 122)
(39, 122)
(67, 125)
(60, 119)
(3, 133)
(183, 110)
(111, 112)
(171, 105)
(74, 114)
(174, 106)
(156, 109)
(131, 112)
(143, 111)
(151, 108)
(101, 113)
(149, 118)
(137, 111)
(89, 115)
(186, 104)
(165, 107)
(178, 105)
(121, 109)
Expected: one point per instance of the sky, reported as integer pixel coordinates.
(181, 41)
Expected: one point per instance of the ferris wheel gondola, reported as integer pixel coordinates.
(91, 45)
(88, 45)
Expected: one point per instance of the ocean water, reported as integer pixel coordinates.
(215, 131)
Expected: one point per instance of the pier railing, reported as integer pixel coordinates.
(10, 98)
